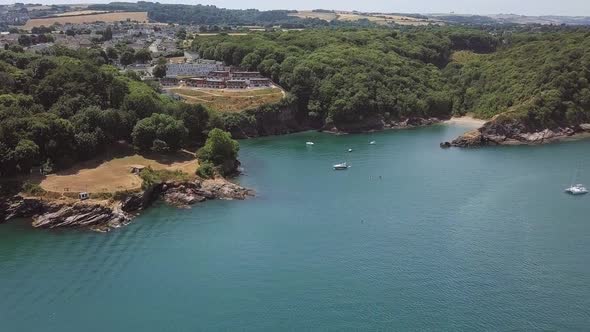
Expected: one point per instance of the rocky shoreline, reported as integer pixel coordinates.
(514, 132)
(107, 215)
(378, 123)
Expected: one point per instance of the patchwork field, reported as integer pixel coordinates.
(225, 100)
(81, 12)
(111, 172)
(311, 14)
(78, 19)
(374, 17)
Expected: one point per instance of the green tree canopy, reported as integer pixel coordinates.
(160, 127)
(219, 147)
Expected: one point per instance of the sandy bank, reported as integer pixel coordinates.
(466, 120)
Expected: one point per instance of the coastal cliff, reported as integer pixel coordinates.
(106, 215)
(286, 119)
(268, 120)
(376, 123)
(514, 132)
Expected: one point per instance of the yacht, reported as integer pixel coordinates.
(372, 143)
(577, 189)
(309, 143)
(340, 167)
(349, 150)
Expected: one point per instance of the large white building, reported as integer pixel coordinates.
(191, 69)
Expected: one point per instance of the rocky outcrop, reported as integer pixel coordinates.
(19, 207)
(52, 214)
(514, 132)
(95, 216)
(106, 216)
(445, 145)
(188, 193)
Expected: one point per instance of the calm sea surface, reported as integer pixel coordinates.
(412, 237)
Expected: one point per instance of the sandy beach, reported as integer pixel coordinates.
(466, 120)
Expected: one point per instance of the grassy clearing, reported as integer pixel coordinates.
(230, 100)
(111, 172)
(79, 19)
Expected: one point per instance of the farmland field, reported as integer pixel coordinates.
(79, 19)
(373, 17)
(81, 12)
(328, 16)
(226, 100)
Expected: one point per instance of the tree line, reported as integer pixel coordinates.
(209, 15)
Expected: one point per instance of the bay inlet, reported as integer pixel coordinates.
(411, 237)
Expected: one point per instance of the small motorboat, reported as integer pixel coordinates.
(577, 189)
(372, 143)
(340, 167)
(309, 143)
(349, 150)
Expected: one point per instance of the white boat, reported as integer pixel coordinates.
(309, 143)
(349, 150)
(372, 143)
(577, 189)
(340, 167)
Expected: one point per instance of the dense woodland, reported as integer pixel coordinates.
(347, 75)
(67, 106)
(542, 79)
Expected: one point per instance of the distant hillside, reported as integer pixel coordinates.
(200, 14)
(510, 19)
(556, 20)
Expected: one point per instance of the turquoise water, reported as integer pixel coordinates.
(412, 237)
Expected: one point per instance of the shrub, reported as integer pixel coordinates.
(152, 177)
(160, 127)
(206, 170)
(33, 189)
(219, 147)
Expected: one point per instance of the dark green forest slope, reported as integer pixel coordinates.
(347, 75)
(540, 79)
(67, 106)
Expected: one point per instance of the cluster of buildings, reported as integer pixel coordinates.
(183, 68)
(212, 75)
(158, 38)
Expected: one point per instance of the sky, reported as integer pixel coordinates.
(522, 7)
